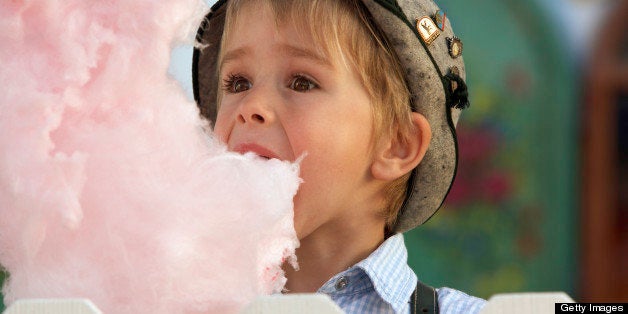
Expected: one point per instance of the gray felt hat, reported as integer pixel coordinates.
(426, 46)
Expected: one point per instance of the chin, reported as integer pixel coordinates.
(299, 228)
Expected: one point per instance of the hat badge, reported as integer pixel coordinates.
(455, 46)
(427, 29)
(440, 18)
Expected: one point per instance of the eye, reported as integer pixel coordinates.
(301, 83)
(236, 83)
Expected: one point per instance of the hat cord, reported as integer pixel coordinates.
(459, 93)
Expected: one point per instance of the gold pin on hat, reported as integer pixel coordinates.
(455, 71)
(455, 46)
(427, 29)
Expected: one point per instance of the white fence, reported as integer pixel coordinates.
(514, 303)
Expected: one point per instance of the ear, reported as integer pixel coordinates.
(398, 153)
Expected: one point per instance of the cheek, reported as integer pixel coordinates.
(221, 125)
(330, 140)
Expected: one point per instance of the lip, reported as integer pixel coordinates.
(256, 149)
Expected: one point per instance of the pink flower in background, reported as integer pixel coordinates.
(496, 187)
(478, 178)
(476, 144)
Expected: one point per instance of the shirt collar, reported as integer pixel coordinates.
(386, 271)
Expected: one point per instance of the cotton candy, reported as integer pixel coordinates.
(111, 186)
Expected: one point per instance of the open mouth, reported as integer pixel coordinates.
(258, 150)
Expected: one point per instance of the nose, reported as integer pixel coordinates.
(256, 109)
(255, 117)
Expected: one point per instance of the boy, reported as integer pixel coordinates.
(369, 92)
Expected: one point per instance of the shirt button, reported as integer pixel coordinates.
(342, 283)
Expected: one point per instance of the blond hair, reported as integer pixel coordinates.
(343, 30)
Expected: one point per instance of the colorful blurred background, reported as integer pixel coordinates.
(540, 202)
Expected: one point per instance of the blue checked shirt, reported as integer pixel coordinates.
(383, 283)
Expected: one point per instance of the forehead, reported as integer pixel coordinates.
(310, 29)
(243, 50)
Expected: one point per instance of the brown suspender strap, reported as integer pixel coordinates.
(424, 300)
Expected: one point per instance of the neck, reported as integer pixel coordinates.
(330, 250)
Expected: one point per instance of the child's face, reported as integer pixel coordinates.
(282, 100)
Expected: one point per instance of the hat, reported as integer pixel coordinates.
(430, 55)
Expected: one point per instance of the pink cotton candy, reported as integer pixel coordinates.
(109, 187)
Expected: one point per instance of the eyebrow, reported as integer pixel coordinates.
(289, 50)
(234, 55)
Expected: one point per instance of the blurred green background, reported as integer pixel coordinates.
(511, 222)
(2, 278)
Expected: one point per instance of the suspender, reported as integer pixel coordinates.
(424, 300)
